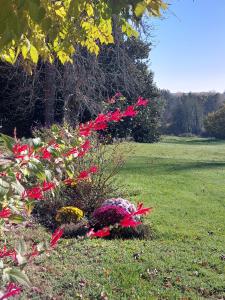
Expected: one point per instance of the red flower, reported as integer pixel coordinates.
(72, 151)
(11, 290)
(142, 102)
(100, 126)
(83, 175)
(23, 152)
(141, 210)
(3, 174)
(48, 186)
(130, 112)
(84, 148)
(86, 145)
(85, 129)
(8, 253)
(55, 237)
(18, 149)
(93, 169)
(46, 154)
(33, 193)
(115, 116)
(5, 213)
(128, 221)
(100, 233)
(101, 118)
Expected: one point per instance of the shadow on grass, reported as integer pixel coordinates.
(193, 141)
(161, 166)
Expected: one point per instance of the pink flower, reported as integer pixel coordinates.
(5, 213)
(142, 102)
(11, 290)
(47, 186)
(108, 215)
(130, 112)
(55, 237)
(118, 94)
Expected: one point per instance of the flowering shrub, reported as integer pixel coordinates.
(125, 204)
(116, 216)
(108, 215)
(35, 168)
(69, 214)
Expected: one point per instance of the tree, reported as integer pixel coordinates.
(51, 29)
(214, 124)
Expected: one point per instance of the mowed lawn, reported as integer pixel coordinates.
(183, 179)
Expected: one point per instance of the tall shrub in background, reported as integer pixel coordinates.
(214, 124)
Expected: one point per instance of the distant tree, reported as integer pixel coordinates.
(215, 124)
(185, 113)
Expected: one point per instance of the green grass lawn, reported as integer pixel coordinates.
(184, 180)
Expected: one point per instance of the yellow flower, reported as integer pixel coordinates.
(69, 214)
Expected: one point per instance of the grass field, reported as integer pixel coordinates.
(184, 180)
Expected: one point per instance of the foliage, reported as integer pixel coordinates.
(52, 28)
(86, 194)
(185, 113)
(214, 124)
(35, 168)
(126, 70)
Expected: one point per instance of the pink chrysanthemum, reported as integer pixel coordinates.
(109, 215)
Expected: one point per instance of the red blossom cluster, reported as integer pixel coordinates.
(37, 193)
(128, 220)
(11, 290)
(102, 120)
(8, 253)
(5, 213)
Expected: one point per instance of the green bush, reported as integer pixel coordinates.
(214, 124)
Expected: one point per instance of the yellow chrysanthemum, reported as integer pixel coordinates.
(69, 214)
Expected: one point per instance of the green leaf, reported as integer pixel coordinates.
(4, 187)
(33, 54)
(17, 186)
(29, 206)
(16, 219)
(15, 275)
(7, 140)
(140, 9)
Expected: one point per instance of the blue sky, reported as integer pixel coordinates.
(189, 46)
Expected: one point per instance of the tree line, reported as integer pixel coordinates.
(186, 113)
